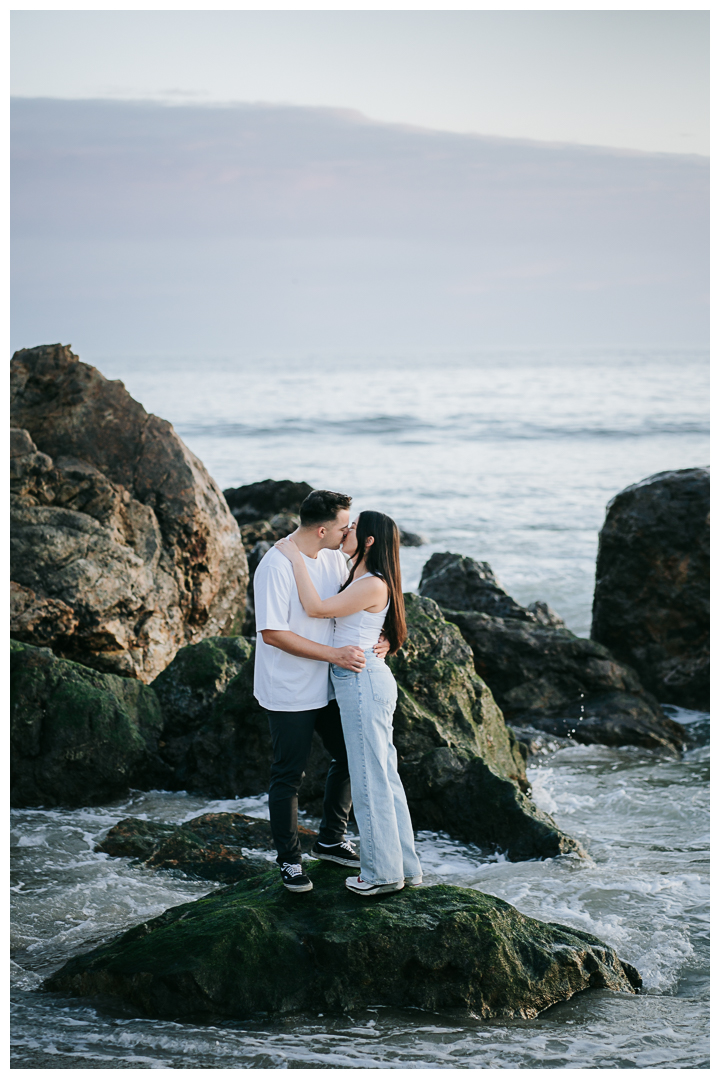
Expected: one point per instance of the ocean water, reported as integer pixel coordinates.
(509, 457)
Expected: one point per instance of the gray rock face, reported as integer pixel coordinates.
(652, 591)
(123, 548)
(78, 736)
(539, 672)
(252, 949)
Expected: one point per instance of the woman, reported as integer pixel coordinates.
(369, 601)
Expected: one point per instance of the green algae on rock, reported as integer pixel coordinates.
(211, 846)
(252, 949)
(77, 736)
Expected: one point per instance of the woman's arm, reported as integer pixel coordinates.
(363, 595)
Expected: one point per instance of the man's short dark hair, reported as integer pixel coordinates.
(321, 506)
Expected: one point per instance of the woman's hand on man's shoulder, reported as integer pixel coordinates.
(288, 548)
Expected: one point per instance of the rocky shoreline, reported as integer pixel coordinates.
(132, 664)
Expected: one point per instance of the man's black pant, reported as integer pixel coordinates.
(291, 734)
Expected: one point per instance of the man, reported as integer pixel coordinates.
(292, 684)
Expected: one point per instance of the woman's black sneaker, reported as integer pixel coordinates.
(294, 879)
(343, 853)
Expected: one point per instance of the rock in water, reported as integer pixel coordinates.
(212, 846)
(255, 502)
(539, 672)
(462, 767)
(459, 583)
(652, 591)
(123, 547)
(77, 736)
(252, 949)
(552, 680)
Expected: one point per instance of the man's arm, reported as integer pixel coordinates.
(349, 656)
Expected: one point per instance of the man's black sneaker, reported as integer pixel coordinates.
(294, 879)
(343, 853)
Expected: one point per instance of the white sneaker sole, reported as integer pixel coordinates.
(376, 890)
(298, 888)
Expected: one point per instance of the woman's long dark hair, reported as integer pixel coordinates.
(383, 558)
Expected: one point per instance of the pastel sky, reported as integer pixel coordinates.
(629, 79)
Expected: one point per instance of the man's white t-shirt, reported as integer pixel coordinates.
(283, 682)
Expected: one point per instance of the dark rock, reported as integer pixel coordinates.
(212, 846)
(539, 672)
(264, 499)
(563, 684)
(652, 591)
(123, 548)
(462, 584)
(77, 736)
(462, 768)
(269, 531)
(411, 539)
(252, 950)
(216, 738)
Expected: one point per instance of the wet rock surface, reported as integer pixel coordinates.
(652, 591)
(211, 846)
(122, 547)
(78, 736)
(539, 672)
(252, 949)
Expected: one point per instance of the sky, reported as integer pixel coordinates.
(298, 180)
(632, 79)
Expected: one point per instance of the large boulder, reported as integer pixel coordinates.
(652, 591)
(123, 548)
(215, 847)
(77, 736)
(463, 769)
(252, 950)
(540, 673)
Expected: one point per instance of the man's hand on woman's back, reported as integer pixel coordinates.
(350, 657)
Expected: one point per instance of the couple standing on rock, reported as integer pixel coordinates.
(322, 636)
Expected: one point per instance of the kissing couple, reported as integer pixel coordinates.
(323, 632)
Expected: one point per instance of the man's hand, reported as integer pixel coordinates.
(382, 648)
(350, 657)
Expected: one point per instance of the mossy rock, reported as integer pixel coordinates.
(253, 949)
(77, 736)
(212, 846)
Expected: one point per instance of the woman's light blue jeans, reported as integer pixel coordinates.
(367, 702)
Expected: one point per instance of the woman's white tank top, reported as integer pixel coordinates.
(362, 628)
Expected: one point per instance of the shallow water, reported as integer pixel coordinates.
(643, 818)
(508, 457)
